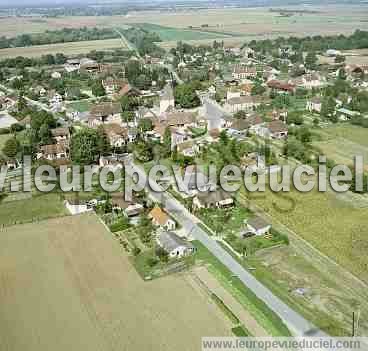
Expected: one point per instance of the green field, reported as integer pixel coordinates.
(171, 33)
(38, 207)
(353, 138)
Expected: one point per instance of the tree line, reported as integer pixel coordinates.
(64, 35)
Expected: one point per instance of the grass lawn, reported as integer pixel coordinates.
(80, 106)
(265, 317)
(40, 206)
(224, 221)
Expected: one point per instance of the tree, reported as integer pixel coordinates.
(44, 134)
(258, 89)
(10, 148)
(311, 60)
(98, 89)
(341, 74)
(84, 146)
(304, 135)
(60, 59)
(103, 142)
(145, 125)
(167, 141)
(328, 108)
(162, 254)
(186, 96)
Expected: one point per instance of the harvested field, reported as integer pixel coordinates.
(73, 48)
(83, 294)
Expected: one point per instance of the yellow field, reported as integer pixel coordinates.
(74, 48)
(66, 284)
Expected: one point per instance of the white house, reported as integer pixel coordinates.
(258, 226)
(76, 207)
(175, 246)
(314, 104)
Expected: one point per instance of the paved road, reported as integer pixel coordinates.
(295, 322)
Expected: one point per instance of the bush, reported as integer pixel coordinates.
(136, 251)
(151, 261)
(120, 225)
(4, 131)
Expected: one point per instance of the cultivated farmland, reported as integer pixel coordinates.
(333, 223)
(250, 23)
(354, 139)
(73, 48)
(66, 284)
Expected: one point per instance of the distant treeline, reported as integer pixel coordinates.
(65, 35)
(358, 40)
(21, 62)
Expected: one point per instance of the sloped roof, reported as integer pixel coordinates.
(257, 223)
(277, 126)
(169, 241)
(212, 197)
(159, 215)
(106, 109)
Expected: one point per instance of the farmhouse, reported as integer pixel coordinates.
(244, 103)
(106, 112)
(161, 219)
(277, 129)
(76, 206)
(60, 134)
(129, 208)
(188, 148)
(212, 199)
(175, 246)
(258, 226)
(116, 134)
(53, 152)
